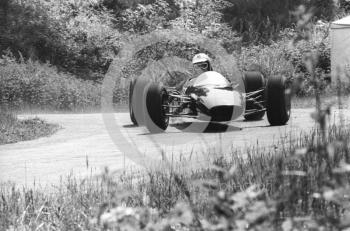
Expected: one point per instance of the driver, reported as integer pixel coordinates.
(201, 63)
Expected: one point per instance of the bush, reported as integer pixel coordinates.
(344, 5)
(32, 84)
(317, 43)
(13, 130)
(270, 57)
(260, 21)
(145, 18)
(296, 56)
(71, 35)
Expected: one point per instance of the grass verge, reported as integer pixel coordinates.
(328, 100)
(298, 185)
(42, 86)
(13, 130)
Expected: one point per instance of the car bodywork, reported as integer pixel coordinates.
(210, 94)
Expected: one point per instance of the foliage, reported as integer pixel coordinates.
(205, 17)
(344, 5)
(146, 18)
(90, 43)
(119, 5)
(31, 84)
(83, 37)
(13, 130)
(323, 9)
(285, 57)
(257, 23)
(71, 35)
(271, 58)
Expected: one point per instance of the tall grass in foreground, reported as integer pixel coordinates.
(303, 184)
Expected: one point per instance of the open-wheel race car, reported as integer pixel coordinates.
(210, 96)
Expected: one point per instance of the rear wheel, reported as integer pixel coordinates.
(278, 102)
(156, 108)
(253, 81)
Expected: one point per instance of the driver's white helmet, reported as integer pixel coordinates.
(200, 58)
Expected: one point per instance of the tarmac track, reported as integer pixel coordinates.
(85, 145)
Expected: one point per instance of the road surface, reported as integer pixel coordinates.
(87, 143)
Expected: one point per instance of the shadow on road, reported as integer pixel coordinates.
(252, 124)
(248, 121)
(130, 126)
(197, 127)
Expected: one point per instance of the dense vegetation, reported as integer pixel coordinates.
(42, 87)
(13, 130)
(81, 38)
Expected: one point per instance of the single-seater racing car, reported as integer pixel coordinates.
(210, 96)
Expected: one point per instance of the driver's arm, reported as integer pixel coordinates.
(181, 85)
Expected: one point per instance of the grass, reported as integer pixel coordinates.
(329, 100)
(13, 130)
(39, 85)
(301, 184)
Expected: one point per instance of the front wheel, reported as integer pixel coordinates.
(137, 93)
(131, 110)
(278, 101)
(156, 108)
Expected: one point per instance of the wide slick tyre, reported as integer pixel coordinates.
(278, 101)
(253, 81)
(131, 110)
(155, 116)
(137, 92)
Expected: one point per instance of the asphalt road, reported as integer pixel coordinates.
(87, 143)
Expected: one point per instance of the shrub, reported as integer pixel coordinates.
(344, 5)
(71, 35)
(146, 18)
(284, 58)
(270, 57)
(38, 85)
(257, 23)
(13, 130)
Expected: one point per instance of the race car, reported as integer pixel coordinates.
(210, 96)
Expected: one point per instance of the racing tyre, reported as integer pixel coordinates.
(155, 114)
(131, 111)
(137, 92)
(278, 101)
(253, 81)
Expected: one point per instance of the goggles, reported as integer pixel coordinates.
(203, 66)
